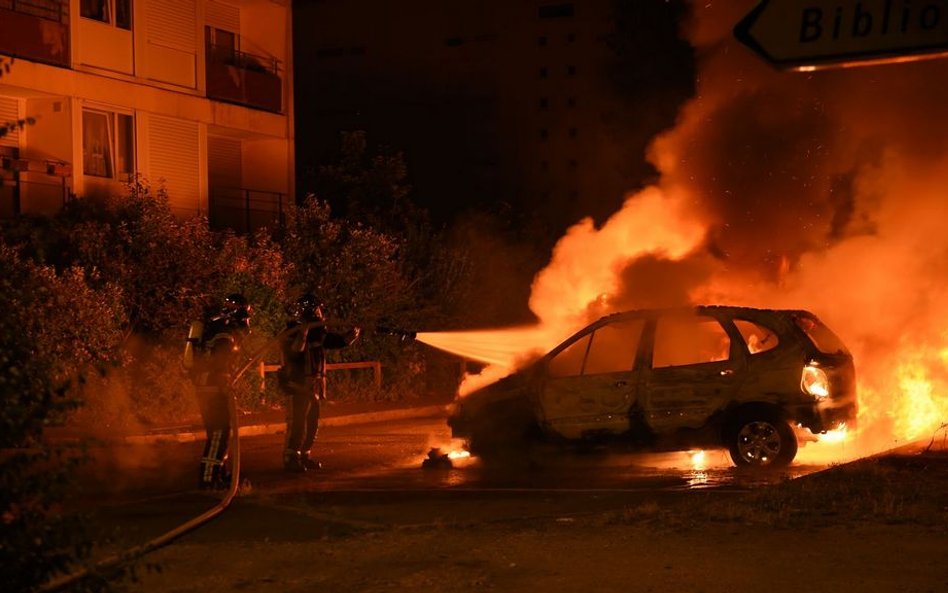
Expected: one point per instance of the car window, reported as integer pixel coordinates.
(822, 337)
(689, 340)
(757, 337)
(613, 347)
(569, 362)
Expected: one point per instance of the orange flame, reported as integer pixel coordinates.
(877, 274)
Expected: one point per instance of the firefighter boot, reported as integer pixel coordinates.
(293, 462)
(309, 462)
(214, 476)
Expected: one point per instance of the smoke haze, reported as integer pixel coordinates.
(823, 191)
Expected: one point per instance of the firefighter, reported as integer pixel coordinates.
(302, 377)
(211, 355)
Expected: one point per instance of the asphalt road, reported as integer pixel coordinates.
(373, 520)
(372, 476)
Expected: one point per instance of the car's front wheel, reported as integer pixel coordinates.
(762, 439)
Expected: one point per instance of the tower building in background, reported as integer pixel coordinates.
(545, 106)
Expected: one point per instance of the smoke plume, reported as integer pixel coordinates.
(823, 191)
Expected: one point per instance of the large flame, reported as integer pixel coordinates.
(821, 191)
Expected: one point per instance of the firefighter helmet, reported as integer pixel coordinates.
(236, 308)
(308, 308)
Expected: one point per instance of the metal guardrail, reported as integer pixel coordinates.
(50, 10)
(245, 210)
(375, 365)
(241, 59)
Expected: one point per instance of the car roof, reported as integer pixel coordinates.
(721, 311)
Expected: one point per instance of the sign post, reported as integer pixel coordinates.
(813, 34)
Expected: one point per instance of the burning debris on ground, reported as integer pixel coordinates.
(437, 460)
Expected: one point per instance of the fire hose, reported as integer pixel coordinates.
(112, 562)
(116, 560)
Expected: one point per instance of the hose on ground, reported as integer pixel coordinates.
(103, 567)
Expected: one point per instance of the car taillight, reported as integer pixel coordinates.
(814, 381)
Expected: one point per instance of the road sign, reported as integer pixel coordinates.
(812, 34)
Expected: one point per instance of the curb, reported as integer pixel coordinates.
(279, 427)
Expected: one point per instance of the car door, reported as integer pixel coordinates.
(695, 368)
(590, 384)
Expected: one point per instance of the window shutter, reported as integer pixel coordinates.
(173, 156)
(171, 24)
(223, 16)
(172, 47)
(224, 163)
(9, 114)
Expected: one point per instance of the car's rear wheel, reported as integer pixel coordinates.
(762, 439)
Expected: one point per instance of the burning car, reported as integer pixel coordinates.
(673, 379)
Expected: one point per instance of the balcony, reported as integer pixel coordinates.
(35, 30)
(29, 186)
(245, 210)
(246, 79)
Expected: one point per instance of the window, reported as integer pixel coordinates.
(571, 38)
(569, 362)
(554, 11)
(544, 135)
(108, 144)
(613, 348)
(571, 70)
(573, 132)
(110, 12)
(571, 102)
(687, 340)
(223, 45)
(541, 41)
(757, 337)
(326, 52)
(822, 337)
(544, 165)
(544, 72)
(573, 164)
(544, 103)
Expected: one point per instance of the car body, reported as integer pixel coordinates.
(674, 379)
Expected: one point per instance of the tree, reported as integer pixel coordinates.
(369, 187)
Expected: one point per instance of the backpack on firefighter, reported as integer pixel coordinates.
(209, 356)
(216, 333)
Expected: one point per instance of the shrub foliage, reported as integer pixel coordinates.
(98, 297)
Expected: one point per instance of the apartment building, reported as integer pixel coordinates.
(545, 105)
(194, 95)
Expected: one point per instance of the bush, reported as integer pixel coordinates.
(53, 331)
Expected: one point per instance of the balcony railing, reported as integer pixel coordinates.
(245, 210)
(46, 194)
(36, 30)
(244, 78)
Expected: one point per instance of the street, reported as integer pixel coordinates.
(362, 462)
(373, 520)
(372, 476)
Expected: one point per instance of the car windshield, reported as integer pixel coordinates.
(822, 337)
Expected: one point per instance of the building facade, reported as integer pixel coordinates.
(193, 95)
(547, 105)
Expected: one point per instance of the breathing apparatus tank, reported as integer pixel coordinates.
(195, 334)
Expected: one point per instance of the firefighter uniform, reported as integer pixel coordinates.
(302, 378)
(211, 355)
